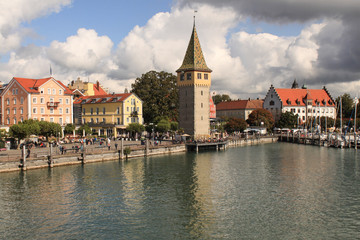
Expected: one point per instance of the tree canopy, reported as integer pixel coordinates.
(287, 120)
(69, 128)
(33, 127)
(221, 98)
(83, 128)
(159, 94)
(259, 116)
(235, 124)
(347, 105)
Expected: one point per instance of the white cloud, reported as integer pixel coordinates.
(85, 51)
(15, 12)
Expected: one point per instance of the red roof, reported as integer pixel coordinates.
(240, 104)
(32, 85)
(297, 96)
(98, 90)
(99, 98)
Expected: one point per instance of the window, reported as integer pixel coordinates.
(51, 99)
(14, 110)
(91, 111)
(51, 110)
(67, 101)
(34, 100)
(35, 110)
(127, 108)
(14, 120)
(16, 91)
(206, 76)
(49, 91)
(199, 75)
(41, 90)
(14, 101)
(104, 120)
(42, 100)
(42, 119)
(84, 121)
(97, 111)
(8, 101)
(91, 120)
(21, 100)
(42, 110)
(21, 119)
(118, 110)
(188, 76)
(83, 111)
(60, 111)
(60, 101)
(51, 119)
(8, 120)
(67, 120)
(97, 120)
(21, 110)
(67, 110)
(60, 91)
(202, 105)
(272, 103)
(53, 91)
(182, 77)
(202, 93)
(118, 121)
(13, 91)
(104, 111)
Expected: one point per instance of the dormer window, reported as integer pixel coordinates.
(288, 101)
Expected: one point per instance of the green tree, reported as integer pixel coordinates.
(163, 126)
(174, 126)
(235, 124)
(83, 128)
(135, 128)
(24, 129)
(69, 128)
(329, 122)
(48, 129)
(159, 94)
(259, 116)
(287, 120)
(347, 105)
(221, 98)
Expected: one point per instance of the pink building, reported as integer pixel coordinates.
(44, 99)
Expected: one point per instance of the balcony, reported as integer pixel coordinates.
(134, 114)
(52, 104)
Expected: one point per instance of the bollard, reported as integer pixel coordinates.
(23, 159)
(50, 159)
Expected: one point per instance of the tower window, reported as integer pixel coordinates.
(188, 76)
(182, 77)
(206, 76)
(199, 75)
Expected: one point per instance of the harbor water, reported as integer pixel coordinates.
(272, 191)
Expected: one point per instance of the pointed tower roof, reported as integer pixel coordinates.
(194, 59)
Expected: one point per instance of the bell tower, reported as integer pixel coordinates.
(194, 81)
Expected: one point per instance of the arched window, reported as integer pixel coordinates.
(272, 103)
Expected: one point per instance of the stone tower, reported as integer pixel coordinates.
(194, 81)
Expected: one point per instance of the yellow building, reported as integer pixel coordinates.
(110, 114)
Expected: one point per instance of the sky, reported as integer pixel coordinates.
(249, 44)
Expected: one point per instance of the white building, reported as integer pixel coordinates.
(304, 102)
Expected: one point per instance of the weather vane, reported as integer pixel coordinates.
(195, 11)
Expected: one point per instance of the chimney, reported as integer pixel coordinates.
(97, 85)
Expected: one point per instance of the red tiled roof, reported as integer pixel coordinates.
(32, 85)
(239, 104)
(99, 98)
(98, 90)
(297, 96)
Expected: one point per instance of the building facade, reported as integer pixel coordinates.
(110, 114)
(194, 81)
(307, 103)
(238, 108)
(44, 99)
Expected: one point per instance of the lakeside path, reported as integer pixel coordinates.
(10, 160)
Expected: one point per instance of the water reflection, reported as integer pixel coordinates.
(277, 191)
